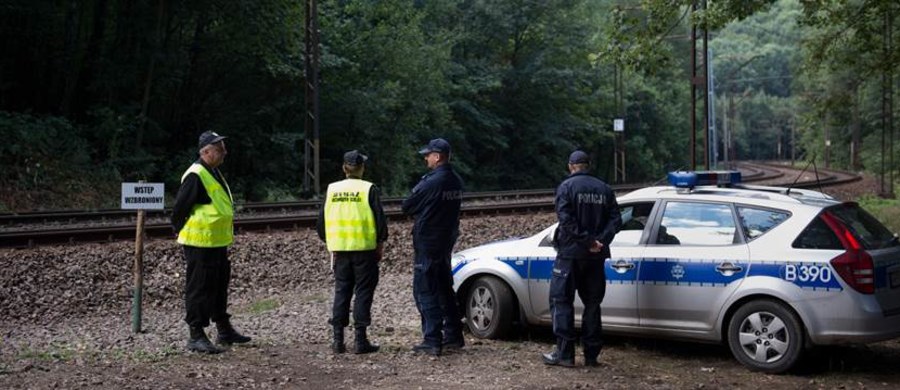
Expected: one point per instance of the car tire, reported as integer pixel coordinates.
(490, 308)
(766, 336)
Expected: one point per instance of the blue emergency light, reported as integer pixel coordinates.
(691, 179)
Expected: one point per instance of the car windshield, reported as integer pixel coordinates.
(868, 231)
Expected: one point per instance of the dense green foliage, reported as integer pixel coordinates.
(94, 92)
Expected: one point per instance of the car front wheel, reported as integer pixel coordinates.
(489, 308)
(765, 336)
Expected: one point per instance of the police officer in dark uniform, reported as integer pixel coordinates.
(435, 202)
(203, 220)
(353, 225)
(588, 220)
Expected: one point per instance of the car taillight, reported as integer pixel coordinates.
(855, 265)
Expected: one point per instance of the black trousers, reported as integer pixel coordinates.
(355, 273)
(587, 277)
(435, 299)
(206, 285)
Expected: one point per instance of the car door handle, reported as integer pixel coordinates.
(622, 266)
(728, 269)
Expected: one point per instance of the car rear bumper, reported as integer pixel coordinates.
(851, 319)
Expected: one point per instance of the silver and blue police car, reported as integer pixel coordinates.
(768, 271)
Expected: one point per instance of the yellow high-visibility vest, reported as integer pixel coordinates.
(210, 225)
(349, 219)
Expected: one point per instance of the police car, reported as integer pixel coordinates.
(768, 271)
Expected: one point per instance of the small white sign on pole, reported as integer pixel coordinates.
(618, 125)
(143, 196)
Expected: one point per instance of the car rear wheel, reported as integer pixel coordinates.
(489, 308)
(766, 336)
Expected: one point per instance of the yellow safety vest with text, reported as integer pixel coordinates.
(209, 225)
(349, 219)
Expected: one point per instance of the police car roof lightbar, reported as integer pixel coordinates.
(691, 179)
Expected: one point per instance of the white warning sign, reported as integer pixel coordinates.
(143, 196)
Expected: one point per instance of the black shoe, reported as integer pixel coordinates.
(227, 334)
(553, 359)
(365, 347)
(453, 345)
(362, 344)
(590, 358)
(427, 349)
(200, 343)
(338, 346)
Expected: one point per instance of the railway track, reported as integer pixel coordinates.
(302, 215)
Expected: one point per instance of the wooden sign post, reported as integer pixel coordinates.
(140, 196)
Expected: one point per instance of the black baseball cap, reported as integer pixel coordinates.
(579, 157)
(209, 138)
(437, 145)
(354, 157)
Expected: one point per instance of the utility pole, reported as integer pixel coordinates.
(619, 126)
(311, 123)
(887, 104)
(698, 86)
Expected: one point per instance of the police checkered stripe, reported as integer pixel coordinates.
(698, 272)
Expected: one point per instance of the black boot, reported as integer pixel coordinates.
(337, 342)
(590, 357)
(200, 343)
(362, 343)
(563, 355)
(227, 334)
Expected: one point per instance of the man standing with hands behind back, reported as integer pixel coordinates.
(203, 219)
(435, 202)
(353, 226)
(588, 220)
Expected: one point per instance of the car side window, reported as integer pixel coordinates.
(688, 223)
(634, 221)
(757, 221)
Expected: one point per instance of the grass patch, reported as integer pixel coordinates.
(56, 353)
(263, 306)
(886, 210)
(317, 298)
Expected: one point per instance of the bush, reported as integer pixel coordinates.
(47, 165)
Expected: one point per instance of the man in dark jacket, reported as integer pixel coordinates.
(353, 225)
(588, 220)
(435, 202)
(203, 221)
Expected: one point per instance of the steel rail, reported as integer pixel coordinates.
(31, 238)
(75, 216)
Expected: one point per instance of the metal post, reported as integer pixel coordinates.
(311, 125)
(711, 111)
(705, 93)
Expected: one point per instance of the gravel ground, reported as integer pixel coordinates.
(65, 323)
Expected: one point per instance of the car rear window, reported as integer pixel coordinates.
(870, 233)
(817, 236)
(867, 230)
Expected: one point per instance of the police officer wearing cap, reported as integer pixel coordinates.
(588, 220)
(353, 226)
(203, 220)
(435, 203)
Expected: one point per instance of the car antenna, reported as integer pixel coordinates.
(811, 161)
(666, 177)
